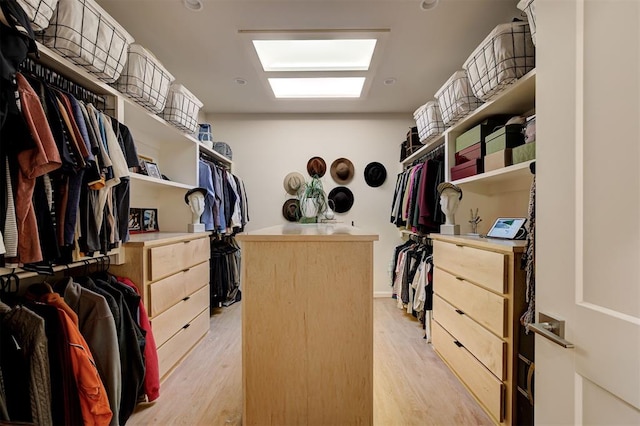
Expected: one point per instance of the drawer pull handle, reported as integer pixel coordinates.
(186, 326)
(184, 299)
(186, 270)
(187, 242)
(530, 382)
(459, 278)
(459, 311)
(459, 245)
(458, 344)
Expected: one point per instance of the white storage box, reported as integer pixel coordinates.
(504, 56)
(529, 7)
(39, 12)
(84, 33)
(145, 79)
(429, 121)
(456, 98)
(182, 108)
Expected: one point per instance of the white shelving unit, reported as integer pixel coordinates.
(175, 152)
(502, 192)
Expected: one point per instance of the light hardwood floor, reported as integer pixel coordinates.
(412, 386)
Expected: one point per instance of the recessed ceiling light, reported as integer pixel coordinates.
(315, 55)
(389, 81)
(194, 5)
(240, 81)
(320, 87)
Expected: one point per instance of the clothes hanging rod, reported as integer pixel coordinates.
(23, 274)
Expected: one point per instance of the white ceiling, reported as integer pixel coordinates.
(207, 52)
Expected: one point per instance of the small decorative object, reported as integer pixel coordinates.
(312, 198)
(316, 167)
(195, 199)
(153, 170)
(342, 171)
(475, 220)
(143, 220)
(142, 161)
(450, 196)
(329, 214)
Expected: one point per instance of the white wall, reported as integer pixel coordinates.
(266, 147)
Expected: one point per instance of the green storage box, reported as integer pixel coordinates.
(480, 132)
(523, 153)
(509, 136)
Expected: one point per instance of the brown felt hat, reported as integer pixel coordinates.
(316, 167)
(291, 210)
(342, 170)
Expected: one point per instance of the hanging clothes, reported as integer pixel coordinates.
(224, 272)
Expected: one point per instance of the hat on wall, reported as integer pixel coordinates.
(342, 198)
(342, 170)
(291, 210)
(191, 191)
(292, 182)
(448, 185)
(316, 167)
(375, 174)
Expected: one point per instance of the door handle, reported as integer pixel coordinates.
(552, 329)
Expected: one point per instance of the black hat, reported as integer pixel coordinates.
(375, 174)
(191, 191)
(316, 167)
(342, 198)
(291, 210)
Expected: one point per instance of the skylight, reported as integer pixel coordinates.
(320, 87)
(315, 55)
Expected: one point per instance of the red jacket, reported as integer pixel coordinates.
(152, 369)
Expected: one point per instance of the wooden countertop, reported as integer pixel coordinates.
(157, 238)
(495, 244)
(308, 232)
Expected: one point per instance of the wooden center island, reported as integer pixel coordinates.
(307, 325)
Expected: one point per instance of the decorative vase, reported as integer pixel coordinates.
(309, 208)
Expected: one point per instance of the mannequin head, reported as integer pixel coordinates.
(195, 199)
(450, 196)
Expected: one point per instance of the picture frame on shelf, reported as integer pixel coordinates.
(142, 160)
(143, 220)
(153, 170)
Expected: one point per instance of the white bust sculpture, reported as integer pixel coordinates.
(195, 199)
(450, 196)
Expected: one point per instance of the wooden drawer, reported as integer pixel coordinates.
(484, 345)
(484, 385)
(173, 319)
(172, 258)
(483, 267)
(483, 306)
(171, 290)
(175, 348)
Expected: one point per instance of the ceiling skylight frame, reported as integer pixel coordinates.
(379, 34)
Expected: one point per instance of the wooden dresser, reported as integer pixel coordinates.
(479, 297)
(307, 325)
(171, 270)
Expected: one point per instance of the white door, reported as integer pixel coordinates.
(588, 210)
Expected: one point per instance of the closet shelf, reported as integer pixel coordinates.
(161, 182)
(215, 154)
(512, 178)
(430, 146)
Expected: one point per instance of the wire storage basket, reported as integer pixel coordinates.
(529, 7)
(504, 56)
(83, 32)
(39, 12)
(182, 108)
(144, 79)
(456, 98)
(429, 121)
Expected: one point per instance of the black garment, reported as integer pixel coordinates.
(127, 144)
(223, 272)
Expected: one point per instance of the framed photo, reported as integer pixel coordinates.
(142, 160)
(143, 220)
(153, 170)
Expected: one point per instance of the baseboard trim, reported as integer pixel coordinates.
(381, 294)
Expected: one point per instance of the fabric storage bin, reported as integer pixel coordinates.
(504, 56)
(224, 149)
(479, 132)
(529, 7)
(204, 134)
(39, 12)
(429, 121)
(473, 152)
(182, 108)
(466, 169)
(497, 160)
(456, 98)
(144, 79)
(508, 136)
(523, 153)
(83, 32)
